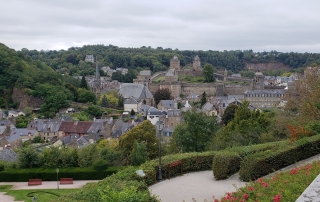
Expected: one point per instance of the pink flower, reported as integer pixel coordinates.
(264, 184)
(250, 188)
(294, 171)
(246, 196)
(216, 200)
(277, 198)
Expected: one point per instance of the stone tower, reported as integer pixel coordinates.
(258, 81)
(196, 64)
(96, 84)
(175, 63)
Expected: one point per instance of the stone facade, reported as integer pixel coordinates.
(175, 63)
(196, 65)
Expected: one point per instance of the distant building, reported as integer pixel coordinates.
(196, 65)
(89, 58)
(175, 63)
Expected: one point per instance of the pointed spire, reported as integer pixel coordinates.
(97, 76)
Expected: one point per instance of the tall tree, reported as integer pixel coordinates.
(104, 101)
(228, 114)
(162, 94)
(194, 134)
(84, 83)
(145, 133)
(208, 71)
(203, 98)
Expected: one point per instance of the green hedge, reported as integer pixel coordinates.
(225, 164)
(263, 163)
(23, 175)
(127, 178)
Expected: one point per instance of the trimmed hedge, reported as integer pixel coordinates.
(225, 164)
(46, 174)
(127, 178)
(263, 163)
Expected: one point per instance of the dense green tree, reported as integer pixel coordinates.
(37, 139)
(208, 71)
(195, 133)
(128, 78)
(144, 132)
(104, 101)
(28, 158)
(203, 98)
(228, 114)
(88, 155)
(93, 110)
(138, 154)
(120, 101)
(117, 76)
(162, 94)
(86, 96)
(84, 83)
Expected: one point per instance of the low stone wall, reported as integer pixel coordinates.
(312, 193)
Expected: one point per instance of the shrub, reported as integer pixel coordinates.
(1, 167)
(100, 165)
(225, 164)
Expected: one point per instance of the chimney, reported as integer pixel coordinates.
(76, 122)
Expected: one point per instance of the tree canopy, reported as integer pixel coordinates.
(162, 94)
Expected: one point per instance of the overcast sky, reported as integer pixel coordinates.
(260, 25)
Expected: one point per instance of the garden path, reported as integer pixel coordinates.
(202, 186)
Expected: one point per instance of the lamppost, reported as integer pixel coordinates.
(57, 170)
(159, 127)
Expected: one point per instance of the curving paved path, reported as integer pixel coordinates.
(202, 186)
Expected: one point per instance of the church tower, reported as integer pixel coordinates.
(175, 63)
(96, 84)
(196, 63)
(258, 81)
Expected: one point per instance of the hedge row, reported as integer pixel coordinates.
(260, 164)
(127, 178)
(23, 175)
(227, 162)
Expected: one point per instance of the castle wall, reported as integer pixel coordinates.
(265, 66)
(236, 89)
(209, 88)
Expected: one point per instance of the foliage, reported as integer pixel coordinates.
(203, 98)
(104, 101)
(28, 158)
(84, 83)
(247, 74)
(144, 132)
(128, 194)
(162, 94)
(100, 165)
(208, 71)
(225, 164)
(53, 157)
(283, 186)
(138, 154)
(86, 96)
(88, 155)
(22, 121)
(195, 132)
(229, 113)
(297, 132)
(93, 111)
(37, 139)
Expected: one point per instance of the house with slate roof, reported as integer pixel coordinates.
(264, 98)
(100, 128)
(48, 129)
(138, 91)
(72, 140)
(19, 135)
(15, 114)
(153, 115)
(131, 104)
(144, 110)
(120, 127)
(209, 109)
(144, 75)
(171, 119)
(164, 105)
(89, 58)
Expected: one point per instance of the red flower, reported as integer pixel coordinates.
(264, 184)
(216, 200)
(294, 171)
(250, 188)
(277, 198)
(246, 196)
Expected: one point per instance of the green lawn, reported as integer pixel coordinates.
(40, 194)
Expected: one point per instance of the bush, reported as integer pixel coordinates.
(263, 163)
(1, 167)
(225, 164)
(100, 165)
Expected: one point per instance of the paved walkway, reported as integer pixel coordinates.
(202, 186)
(45, 185)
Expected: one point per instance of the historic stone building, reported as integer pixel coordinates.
(196, 65)
(175, 63)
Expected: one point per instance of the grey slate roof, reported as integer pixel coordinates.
(45, 125)
(144, 108)
(207, 107)
(154, 111)
(75, 140)
(193, 96)
(266, 91)
(131, 100)
(145, 73)
(170, 72)
(174, 112)
(138, 91)
(169, 104)
(121, 128)
(8, 155)
(18, 132)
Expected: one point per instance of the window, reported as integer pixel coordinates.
(151, 117)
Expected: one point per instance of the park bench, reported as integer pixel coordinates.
(66, 180)
(174, 164)
(35, 182)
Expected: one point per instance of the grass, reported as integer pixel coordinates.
(40, 194)
(192, 79)
(159, 79)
